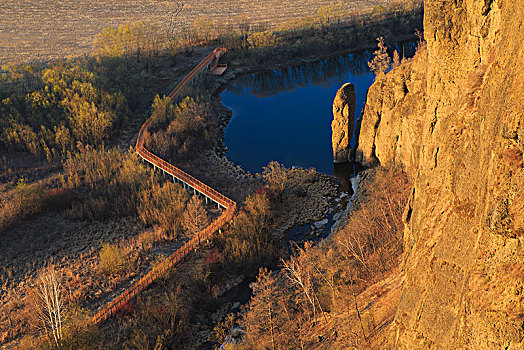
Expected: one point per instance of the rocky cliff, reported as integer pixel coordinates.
(343, 124)
(394, 116)
(453, 118)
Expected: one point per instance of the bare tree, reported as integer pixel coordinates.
(195, 217)
(354, 246)
(277, 177)
(244, 28)
(50, 304)
(300, 278)
(258, 208)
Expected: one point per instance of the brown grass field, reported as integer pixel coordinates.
(43, 30)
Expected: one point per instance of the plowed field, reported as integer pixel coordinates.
(44, 30)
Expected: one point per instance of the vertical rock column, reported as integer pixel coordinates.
(343, 123)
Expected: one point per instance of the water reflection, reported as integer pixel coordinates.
(286, 114)
(324, 73)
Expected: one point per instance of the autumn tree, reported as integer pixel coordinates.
(183, 130)
(277, 176)
(329, 14)
(88, 122)
(66, 104)
(113, 181)
(258, 212)
(299, 275)
(250, 241)
(195, 216)
(396, 60)
(318, 280)
(263, 326)
(260, 40)
(380, 62)
(138, 38)
(204, 28)
(222, 330)
(163, 112)
(244, 27)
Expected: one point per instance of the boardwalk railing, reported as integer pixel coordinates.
(178, 175)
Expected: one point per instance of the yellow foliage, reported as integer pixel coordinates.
(127, 39)
(112, 259)
(260, 40)
(204, 28)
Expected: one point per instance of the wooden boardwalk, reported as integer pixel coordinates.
(188, 182)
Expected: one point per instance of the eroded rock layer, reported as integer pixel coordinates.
(454, 119)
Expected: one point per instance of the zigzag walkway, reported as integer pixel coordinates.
(188, 182)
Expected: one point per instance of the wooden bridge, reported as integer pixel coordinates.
(189, 183)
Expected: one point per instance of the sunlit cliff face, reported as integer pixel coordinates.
(453, 119)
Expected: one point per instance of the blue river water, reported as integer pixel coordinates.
(285, 115)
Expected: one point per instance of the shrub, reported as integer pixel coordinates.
(113, 181)
(24, 201)
(60, 198)
(260, 40)
(372, 240)
(112, 259)
(181, 132)
(249, 242)
(140, 38)
(163, 205)
(79, 333)
(277, 176)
